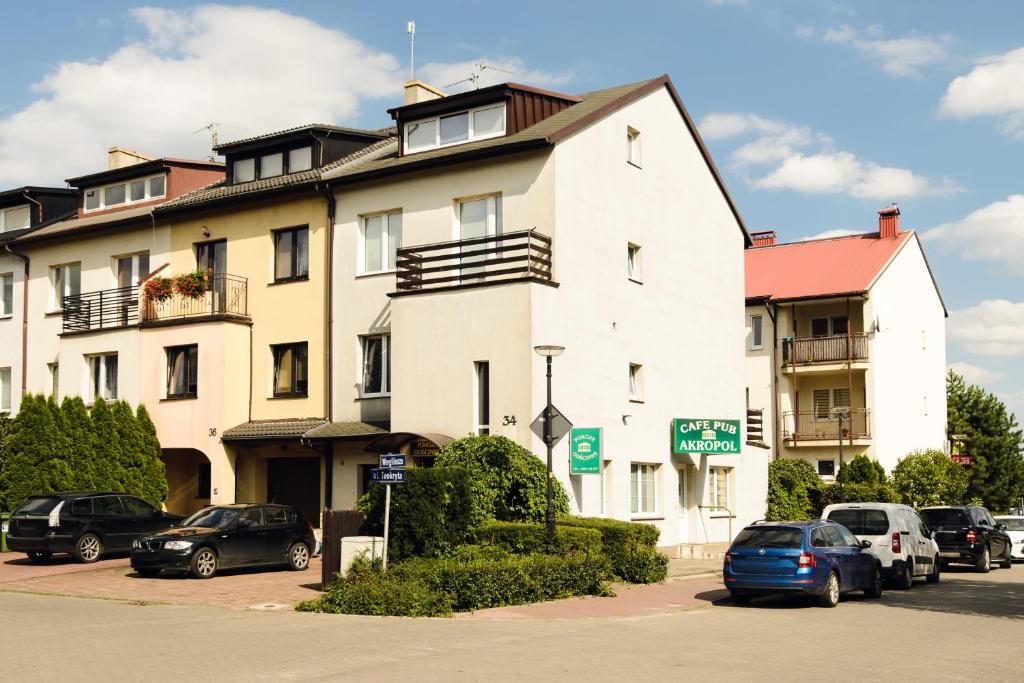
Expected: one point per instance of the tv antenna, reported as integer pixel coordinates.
(212, 127)
(474, 77)
(410, 28)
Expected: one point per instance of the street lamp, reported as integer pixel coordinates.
(549, 351)
(841, 412)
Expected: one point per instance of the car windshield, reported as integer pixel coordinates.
(862, 522)
(38, 506)
(1012, 523)
(769, 537)
(213, 518)
(940, 517)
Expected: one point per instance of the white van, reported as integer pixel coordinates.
(900, 539)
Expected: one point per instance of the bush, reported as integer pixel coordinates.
(862, 470)
(644, 565)
(620, 542)
(523, 538)
(508, 482)
(855, 493)
(929, 478)
(382, 595)
(792, 487)
(430, 512)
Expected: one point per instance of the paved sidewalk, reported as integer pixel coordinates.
(17, 567)
(683, 568)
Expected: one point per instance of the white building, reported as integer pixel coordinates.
(851, 329)
(509, 217)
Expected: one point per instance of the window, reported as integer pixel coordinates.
(826, 468)
(66, 281)
(827, 399)
(113, 195)
(300, 159)
(15, 218)
(131, 192)
(635, 382)
(137, 190)
(756, 332)
(633, 146)
(131, 269)
(203, 480)
(92, 199)
(376, 380)
(290, 369)
(182, 371)
(7, 294)
(840, 325)
(483, 397)
(275, 515)
(863, 522)
(107, 505)
(157, 186)
(5, 390)
(291, 254)
(382, 236)
(271, 165)
(718, 487)
(102, 377)
(642, 490)
(835, 326)
(634, 268)
(136, 507)
(452, 129)
(819, 327)
(243, 171)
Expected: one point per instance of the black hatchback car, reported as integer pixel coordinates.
(228, 536)
(969, 534)
(84, 524)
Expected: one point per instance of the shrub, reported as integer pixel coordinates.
(430, 512)
(619, 541)
(524, 538)
(383, 595)
(508, 482)
(862, 470)
(855, 493)
(792, 485)
(929, 478)
(644, 565)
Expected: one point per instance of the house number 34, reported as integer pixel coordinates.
(509, 420)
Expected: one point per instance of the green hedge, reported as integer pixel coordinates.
(629, 547)
(524, 538)
(369, 592)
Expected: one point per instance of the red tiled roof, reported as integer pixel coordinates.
(819, 268)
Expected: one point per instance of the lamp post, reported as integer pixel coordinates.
(841, 412)
(548, 352)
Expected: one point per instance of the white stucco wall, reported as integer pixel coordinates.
(11, 325)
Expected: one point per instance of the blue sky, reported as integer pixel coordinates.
(818, 113)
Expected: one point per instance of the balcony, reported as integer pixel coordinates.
(519, 256)
(102, 310)
(226, 298)
(809, 428)
(820, 351)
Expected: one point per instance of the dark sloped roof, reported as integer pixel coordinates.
(325, 127)
(336, 430)
(62, 227)
(293, 428)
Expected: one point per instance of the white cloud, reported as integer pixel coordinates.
(1014, 401)
(504, 69)
(903, 56)
(831, 234)
(975, 374)
(807, 161)
(994, 87)
(994, 327)
(992, 233)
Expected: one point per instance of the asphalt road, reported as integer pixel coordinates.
(968, 627)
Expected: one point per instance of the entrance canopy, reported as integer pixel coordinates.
(299, 428)
(394, 441)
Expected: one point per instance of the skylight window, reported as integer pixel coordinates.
(453, 129)
(130, 192)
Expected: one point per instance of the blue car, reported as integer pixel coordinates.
(820, 559)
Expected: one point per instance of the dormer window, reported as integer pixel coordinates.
(452, 129)
(271, 165)
(244, 170)
(300, 159)
(130, 192)
(15, 218)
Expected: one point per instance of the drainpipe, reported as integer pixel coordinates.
(24, 317)
(39, 205)
(773, 313)
(325, 191)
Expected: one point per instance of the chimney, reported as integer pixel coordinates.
(763, 238)
(889, 222)
(119, 157)
(418, 91)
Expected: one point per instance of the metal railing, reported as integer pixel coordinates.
(831, 349)
(755, 425)
(100, 310)
(810, 425)
(225, 295)
(497, 258)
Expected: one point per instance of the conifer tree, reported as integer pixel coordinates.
(81, 444)
(35, 461)
(154, 475)
(132, 443)
(110, 473)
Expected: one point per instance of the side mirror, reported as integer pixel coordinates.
(865, 544)
(1001, 527)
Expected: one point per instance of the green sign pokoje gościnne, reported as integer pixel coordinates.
(703, 435)
(585, 450)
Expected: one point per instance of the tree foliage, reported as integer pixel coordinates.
(862, 470)
(929, 478)
(792, 490)
(994, 440)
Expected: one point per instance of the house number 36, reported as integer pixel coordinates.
(213, 431)
(509, 420)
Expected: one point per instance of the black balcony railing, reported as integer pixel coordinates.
(100, 310)
(810, 425)
(521, 255)
(834, 349)
(755, 425)
(225, 296)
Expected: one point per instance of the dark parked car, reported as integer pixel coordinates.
(240, 535)
(969, 534)
(817, 558)
(84, 524)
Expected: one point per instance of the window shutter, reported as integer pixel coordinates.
(821, 404)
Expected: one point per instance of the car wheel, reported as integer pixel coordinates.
(984, 563)
(298, 557)
(874, 589)
(905, 581)
(830, 596)
(1007, 562)
(89, 548)
(39, 557)
(204, 564)
(148, 573)
(936, 572)
(740, 599)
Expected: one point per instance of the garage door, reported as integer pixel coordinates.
(295, 482)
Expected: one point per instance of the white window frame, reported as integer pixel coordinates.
(57, 298)
(481, 396)
(385, 378)
(6, 398)
(633, 147)
(714, 495)
(755, 332)
(101, 189)
(636, 382)
(388, 235)
(636, 489)
(4, 227)
(634, 262)
(6, 308)
(437, 128)
(137, 273)
(100, 359)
